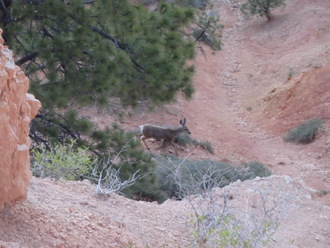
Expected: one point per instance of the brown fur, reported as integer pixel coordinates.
(163, 133)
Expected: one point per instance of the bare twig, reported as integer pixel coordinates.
(109, 180)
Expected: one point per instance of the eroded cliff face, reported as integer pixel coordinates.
(17, 109)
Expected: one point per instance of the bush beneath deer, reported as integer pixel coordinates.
(184, 140)
(182, 177)
(305, 132)
(161, 178)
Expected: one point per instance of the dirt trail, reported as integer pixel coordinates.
(310, 163)
(237, 78)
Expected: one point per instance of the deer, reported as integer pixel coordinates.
(163, 133)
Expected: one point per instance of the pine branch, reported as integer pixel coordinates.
(118, 45)
(204, 31)
(27, 58)
(108, 36)
(4, 7)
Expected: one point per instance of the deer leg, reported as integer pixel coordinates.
(176, 150)
(144, 142)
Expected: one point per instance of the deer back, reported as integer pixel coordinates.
(156, 132)
(166, 133)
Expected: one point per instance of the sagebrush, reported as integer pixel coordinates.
(184, 139)
(305, 132)
(183, 177)
(61, 161)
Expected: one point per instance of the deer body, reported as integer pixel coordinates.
(163, 133)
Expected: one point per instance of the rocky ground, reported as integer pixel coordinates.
(268, 78)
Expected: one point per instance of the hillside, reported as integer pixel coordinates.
(268, 78)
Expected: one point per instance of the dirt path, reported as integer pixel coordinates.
(240, 63)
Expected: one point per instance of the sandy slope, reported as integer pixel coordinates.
(66, 214)
(244, 103)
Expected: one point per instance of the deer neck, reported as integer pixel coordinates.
(177, 131)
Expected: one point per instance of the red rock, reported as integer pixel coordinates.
(17, 109)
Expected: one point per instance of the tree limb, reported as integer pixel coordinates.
(27, 58)
(4, 7)
(204, 31)
(108, 36)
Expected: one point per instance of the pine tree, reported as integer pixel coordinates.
(82, 52)
(261, 7)
(106, 49)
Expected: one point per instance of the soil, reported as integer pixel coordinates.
(268, 78)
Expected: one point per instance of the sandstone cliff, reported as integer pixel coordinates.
(17, 108)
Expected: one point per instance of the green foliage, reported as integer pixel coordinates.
(78, 53)
(86, 52)
(206, 27)
(200, 4)
(184, 139)
(204, 144)
(110, 49)
(305, 132)
(252, 170)
(208, 30)
(127, 157)
(290, 74)
(137, 181)
(61, 162)
(219, 222)
(229, 237)
(323, 192)
(182, 177)
(261, 7)
(226, 231)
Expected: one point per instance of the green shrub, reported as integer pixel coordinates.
(125, 169)
(204, 144)
(127, 157)
(304, 133)
(219, 225)
(323, 192)
(61, 161)
(137, 183)
(183, 177)
(252, 170)
(184, 139)
(200, 4)
(180, 178)
(261, 7)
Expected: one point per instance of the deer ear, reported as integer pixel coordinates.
(184, 121)
(181, 122)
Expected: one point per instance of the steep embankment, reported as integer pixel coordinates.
(67, 214)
